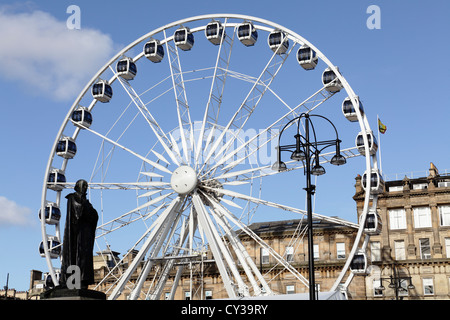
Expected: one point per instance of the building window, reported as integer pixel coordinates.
(316, 251)
(403, 288)
(399, 249)
(444, 214)
(375, 251)
(264, 256)
(443, 184)
(447, 247)
(420, 186)
(289, 254)
(425, 249)
(428, 286)
(290, 289)
(377, 292)
(395, 188)
(340, 250)
(208, 294)
(166, 295)
(397, 219)
(187, 295)
(422, 217)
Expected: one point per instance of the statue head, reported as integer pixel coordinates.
(81, 186)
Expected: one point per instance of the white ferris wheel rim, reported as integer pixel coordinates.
(371, 161)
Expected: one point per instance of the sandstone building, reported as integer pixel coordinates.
(411, 257)
(333, 243)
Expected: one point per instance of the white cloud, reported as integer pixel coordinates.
(13, 214)
(41, 52)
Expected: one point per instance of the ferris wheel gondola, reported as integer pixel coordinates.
(154, 51)
(55, 179)
(360, 143)
(278, 41)
(66, 148)
(214, 32)
(184, 38)
(349, 110)
(307, 57)
(247, 34)
(331, 81)
(359, 263)
(376, 181)
(52, 214)
(54, 248)
(82, 117)
(373, 224)
(126, 69)
(48, 281)
(102, 91)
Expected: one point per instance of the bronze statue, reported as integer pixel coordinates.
(79, 235)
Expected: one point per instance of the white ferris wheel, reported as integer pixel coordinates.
(173, 135)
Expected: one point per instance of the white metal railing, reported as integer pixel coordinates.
(412, 174)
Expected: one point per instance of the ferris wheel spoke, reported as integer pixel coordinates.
(165, 233)
(257, 239)
(124, 258)
(149, 193)
(266, 170)
(156, 228)
(259, 88)
(245, 175)
(249, 104)
(175, 147)
(160, 157)
(169, 263)
(242, 175)
(154, 125)
(244, 258)
(103, 160)
(312, 102)
(217, 87)
(184, 118)
(151, 174)
(115, 143)
(238, 195)
(155, 186)
(219, 251)
(132, 216)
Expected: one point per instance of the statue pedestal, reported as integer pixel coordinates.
(72, 294)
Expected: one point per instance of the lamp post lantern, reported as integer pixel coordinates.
(308, 150)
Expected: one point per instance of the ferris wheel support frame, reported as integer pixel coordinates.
(371, 161)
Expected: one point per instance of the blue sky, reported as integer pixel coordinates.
(399, 71)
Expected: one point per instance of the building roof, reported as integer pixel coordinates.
(291, 225)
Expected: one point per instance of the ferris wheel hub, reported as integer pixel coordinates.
(184, 180)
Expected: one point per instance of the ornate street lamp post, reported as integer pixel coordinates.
(308, 150)
(396, 282)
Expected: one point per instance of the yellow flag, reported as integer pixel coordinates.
(381, 127)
